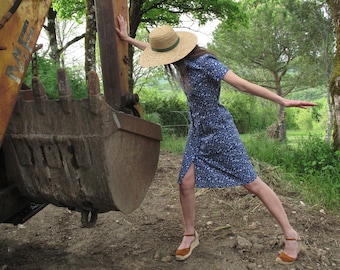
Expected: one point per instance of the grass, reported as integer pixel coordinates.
(306, 160)
(295, 136)
(173, 143)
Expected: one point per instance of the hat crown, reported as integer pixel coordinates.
(167, 46)
(163, 38)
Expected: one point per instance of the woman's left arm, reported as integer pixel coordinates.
(256, 90)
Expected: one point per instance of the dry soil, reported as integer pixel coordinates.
(236, 232)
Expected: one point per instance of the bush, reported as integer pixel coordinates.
(249, 112)
(49, 78)
(314, 155)
(310, 162)
(171, 109)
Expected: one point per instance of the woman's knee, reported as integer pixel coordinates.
(188, 181)
(254, 186)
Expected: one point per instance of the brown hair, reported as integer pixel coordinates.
(178, 71)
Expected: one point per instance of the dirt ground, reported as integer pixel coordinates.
(236, 232)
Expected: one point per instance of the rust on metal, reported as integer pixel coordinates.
(10, 13)
(5, 19)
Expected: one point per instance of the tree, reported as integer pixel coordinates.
(154, 12)
(328, 38)
(90, 37)
(71, 10)
(334, 85)
(148, 13)
(323, 50)
(277, 50)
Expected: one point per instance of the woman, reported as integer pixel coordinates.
(214, 156)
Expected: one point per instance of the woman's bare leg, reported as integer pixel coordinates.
(274, 205)
(188, 204)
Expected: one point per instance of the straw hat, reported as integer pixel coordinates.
(167, 46)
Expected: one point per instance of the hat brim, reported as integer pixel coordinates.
(187, 42)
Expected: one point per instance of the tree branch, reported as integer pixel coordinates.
(68, 44)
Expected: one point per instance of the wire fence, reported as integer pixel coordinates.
(181, 128)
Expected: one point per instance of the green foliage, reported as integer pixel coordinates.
(78, 83)
(310, 93)
(173, 143)
(313, 155)
(306, 155)
(285, 47)
(311, 163)
(314, 118)
(249, 112)
(282, 49)
(70, 9)
(47, 73)
(304, 120)
(160, 12)
(169, 12)
(152, 117)
(169, 105)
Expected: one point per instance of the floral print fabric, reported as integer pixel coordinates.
(214, 144)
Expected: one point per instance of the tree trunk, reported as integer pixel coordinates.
(330, 117)
(278, 130)
(135, 16)
(334, 86)
(281, 123)
(90, 37)
(52, 35)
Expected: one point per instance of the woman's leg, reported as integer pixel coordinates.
(188, 203)
(274, 205)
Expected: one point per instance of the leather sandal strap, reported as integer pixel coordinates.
(189, 234)
(293, 239)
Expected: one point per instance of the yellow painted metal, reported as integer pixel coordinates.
(18, 37)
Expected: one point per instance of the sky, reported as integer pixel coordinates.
(204, 33)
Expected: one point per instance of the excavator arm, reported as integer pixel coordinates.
(20, 26)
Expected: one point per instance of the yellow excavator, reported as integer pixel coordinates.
(93, 155)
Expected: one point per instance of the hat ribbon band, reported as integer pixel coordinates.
(166, 49)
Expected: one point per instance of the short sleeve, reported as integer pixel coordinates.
(213, 67)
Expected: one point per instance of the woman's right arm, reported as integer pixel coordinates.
(122, 32)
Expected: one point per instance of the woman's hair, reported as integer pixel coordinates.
(178, 70)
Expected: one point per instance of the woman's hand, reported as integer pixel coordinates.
(122, 32)
(122, 29)
(298, 103)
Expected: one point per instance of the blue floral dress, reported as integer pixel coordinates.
(214, 144)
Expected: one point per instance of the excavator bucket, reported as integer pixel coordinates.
(81, 154)
(94, 155)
